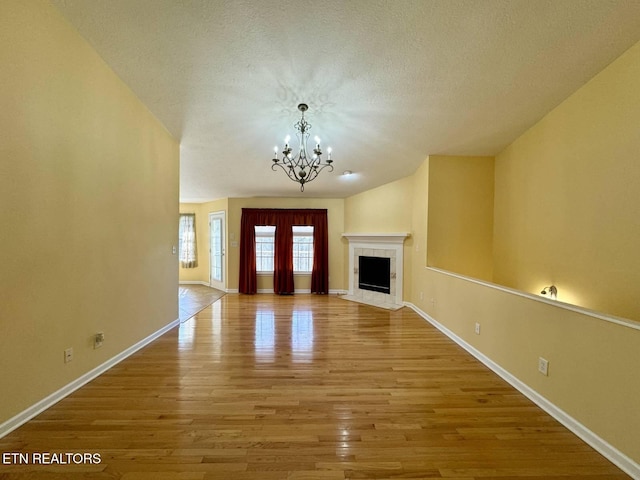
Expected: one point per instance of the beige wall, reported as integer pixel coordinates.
(383, 208)
(89, 195)
(460, 230)
(567, 209)
(386, 209)
(593, 364)
(201, 273)
(419, 219)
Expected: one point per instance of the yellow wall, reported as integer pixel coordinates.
(335, 214)
(201, 273)
(593, 364)
(89, 195)
(419, 218)
(567, 209)
(386, 209)
(460, 230)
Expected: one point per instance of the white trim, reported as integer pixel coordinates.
(393, 246)
(194, 282)
(232, 290)
(297, 290)
(39, 407)
(377, 237)
(614, 455)
(556, 303)
(301, 291)
(305, 290)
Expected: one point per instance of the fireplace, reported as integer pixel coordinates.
(375, 269)
(375, 274)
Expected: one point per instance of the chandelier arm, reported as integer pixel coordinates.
(287, 170)
(318, 170)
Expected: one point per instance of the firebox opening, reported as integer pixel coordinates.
(374, 274)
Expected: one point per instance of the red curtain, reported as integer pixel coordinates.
(283, 256)
(284, 220)
(320, 273)
(248, 281)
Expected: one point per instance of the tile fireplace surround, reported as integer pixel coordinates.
(386, 245)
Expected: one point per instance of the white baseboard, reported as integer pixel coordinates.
(302, 290)
(39, 407)
(297, 290)
(331, 292)
(615, 456)
(194, 282)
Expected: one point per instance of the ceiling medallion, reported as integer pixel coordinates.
(301, 168)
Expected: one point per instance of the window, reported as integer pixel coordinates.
(187, 241)
(265, 247)
(302, 248)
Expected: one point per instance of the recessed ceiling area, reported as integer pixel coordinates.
(387, 82)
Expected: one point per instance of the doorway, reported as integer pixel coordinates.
(216, 250)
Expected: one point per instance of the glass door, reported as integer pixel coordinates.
(216, 250)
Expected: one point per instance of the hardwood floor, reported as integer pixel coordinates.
(304, 387)
(194, 298)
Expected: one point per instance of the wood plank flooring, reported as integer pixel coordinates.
(304, 387)
(194, 298)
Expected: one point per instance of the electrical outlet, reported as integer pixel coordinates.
(68, 355)
(421, 295)
(543, 366)
(174, 249)
(98, 340)
(477, 329)
(433, 302)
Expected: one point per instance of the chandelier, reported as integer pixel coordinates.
(300, 168)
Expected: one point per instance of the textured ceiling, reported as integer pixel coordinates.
(387, 82)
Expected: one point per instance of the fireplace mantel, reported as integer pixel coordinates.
(377, 237)
(386, 245)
